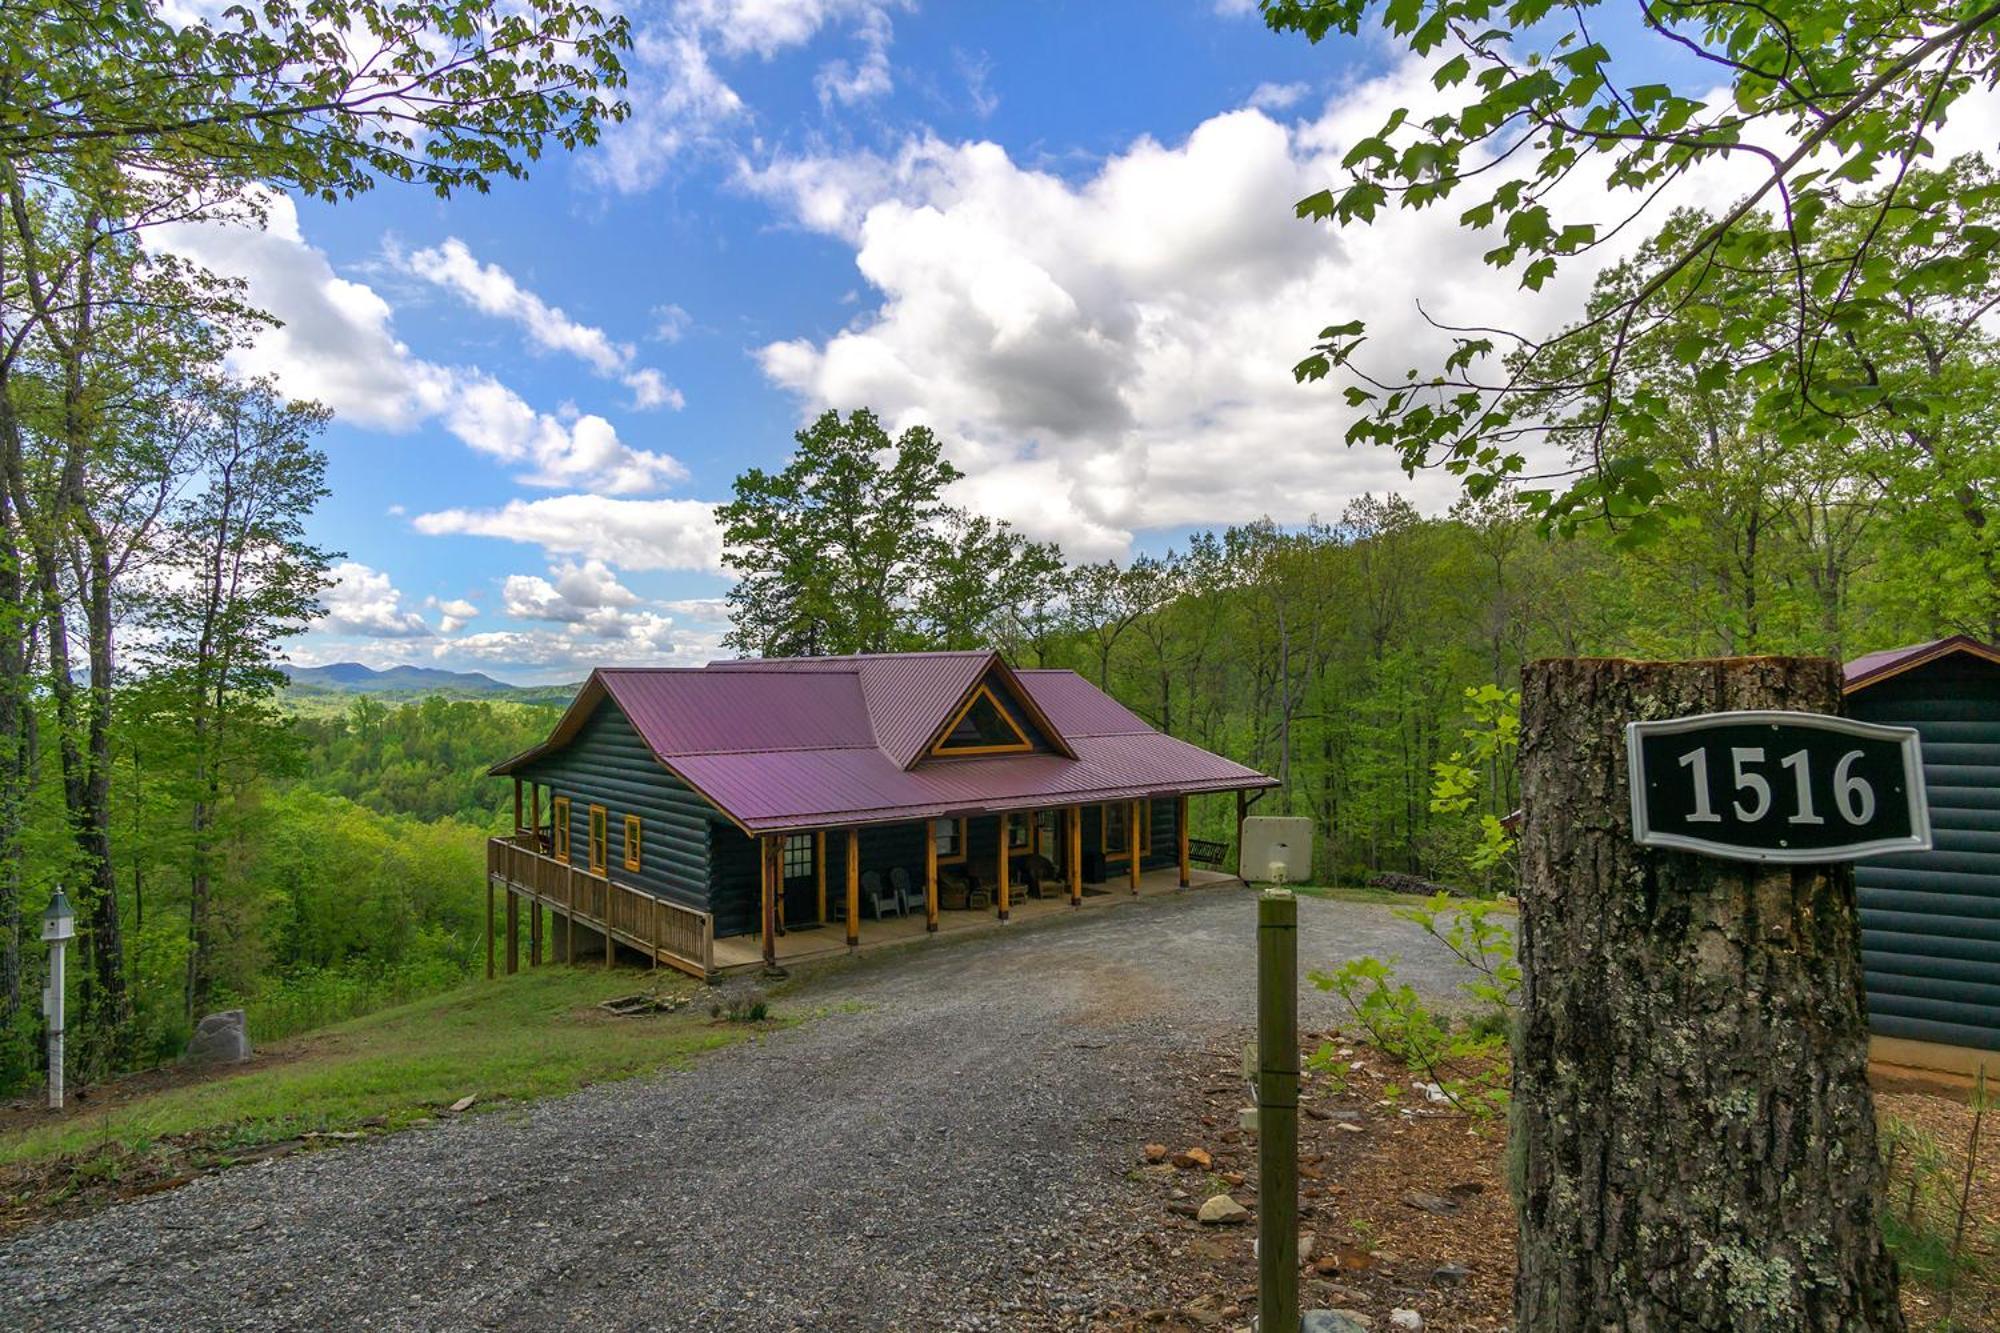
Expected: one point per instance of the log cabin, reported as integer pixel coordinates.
(724, 816)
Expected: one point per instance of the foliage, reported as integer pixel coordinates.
(1536, 128)
(1484, 767)
(425, 759)
(1461, 1063)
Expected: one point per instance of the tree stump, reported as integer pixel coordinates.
(1694, 1138)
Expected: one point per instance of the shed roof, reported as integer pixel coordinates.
(1873, 668)
(800, 743)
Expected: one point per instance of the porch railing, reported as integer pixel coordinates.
(678, 936)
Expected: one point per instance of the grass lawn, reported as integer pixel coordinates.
(536, 1034)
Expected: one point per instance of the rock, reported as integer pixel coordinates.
(1232, 1177)
(1222, 1211)
(1154, 1152)
(1308, 1242)
(464, 1103)
(1334, 1321)
(1409, 1320)
(1345, 1117)
(1430, 1203)
(220, 1039)
(1349, 1126)
(1246, 1120)
(1193, 1159)
(1450, 1275)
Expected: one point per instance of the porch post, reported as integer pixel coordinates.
(1242, 808)
(517, 808)
(1132, 824)
(535, 815)
(769, 913)
(489, 927)
(1075, 856)
(930, 875)
(1180, 818)
(853, 888)
(1006, 888)
(534, 932)
(819, 870)
(513, 932)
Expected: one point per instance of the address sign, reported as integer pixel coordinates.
(1777, 786)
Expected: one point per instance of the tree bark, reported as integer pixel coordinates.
(1694, 1137)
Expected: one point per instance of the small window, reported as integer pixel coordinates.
(1020, 833)
(1048, 833)
(600, 840)
(798, 856)
(983, 726)
(1118, 828)
(633, 844)
(949, 834)
(559, 822)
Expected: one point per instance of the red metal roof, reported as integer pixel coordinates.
(1871, 668)
(802, 743)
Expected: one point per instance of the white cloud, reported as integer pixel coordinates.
(628, 534)
(574, 595)
(642, 640)
(671, 323)
(1276, 96)
(492, 290)
(336, 345)
(454, 614)
(364, 601)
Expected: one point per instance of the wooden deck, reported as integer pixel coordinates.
(741, 953)
(664, 931)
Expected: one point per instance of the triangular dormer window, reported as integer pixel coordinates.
(983, 726)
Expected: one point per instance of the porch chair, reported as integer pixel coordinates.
(876, 898)
(911, 896)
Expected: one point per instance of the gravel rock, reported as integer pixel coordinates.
(1222, 1211)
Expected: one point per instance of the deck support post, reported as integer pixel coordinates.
(513, 932)
(930, 877)
(610, 940)
(489, 927)
(517, 808)
(819, 870)
(1181, 823)
(766, 846)
(1006, 897)
(1132, 825)
(534, 932)
(854, 888)
(535, 814)
(1074, 855)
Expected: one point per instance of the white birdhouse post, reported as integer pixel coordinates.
(58, 926)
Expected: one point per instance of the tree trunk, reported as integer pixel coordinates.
(1694, 1137)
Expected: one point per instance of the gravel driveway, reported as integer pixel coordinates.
(943, 1147)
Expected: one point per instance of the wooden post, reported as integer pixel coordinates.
(1076, 856)
(513, 932)
(517, 808)
(1132, 821)
(610, 941)
(489, 927)
(534, 932)
(1006, 888)
(930, 877)
(819, 870)
(1181, 821)
(1693, 1131)
(1277, 1110)
(853, 888)
(1242, 809)
(768, 914)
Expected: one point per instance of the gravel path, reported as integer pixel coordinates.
(943, 1147)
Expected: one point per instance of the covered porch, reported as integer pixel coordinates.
(741, 953)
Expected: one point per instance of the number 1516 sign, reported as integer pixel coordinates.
(1777, 786)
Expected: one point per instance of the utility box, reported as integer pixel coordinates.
(1277, 847)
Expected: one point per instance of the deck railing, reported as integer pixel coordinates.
(678, 936)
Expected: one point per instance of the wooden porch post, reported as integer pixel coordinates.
(535, 814)
(489, 927)
(610, 942)
(513, 932)
(1132, 821)
(1180, 818)
(534, 932)
(819, 870)
(1075, 856)
(930, 876)
(517, 807)
(1242, 809)
(1006, 887)
(769, 914)
(853, 888)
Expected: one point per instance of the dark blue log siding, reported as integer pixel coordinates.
(608, 765)
(1930, 921)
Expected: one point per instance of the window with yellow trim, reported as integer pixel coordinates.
(1116, 825)
(1020, 833)
(600, 840)
(983, 726)
(559, 827)
(633, 844)
(949, 835)
(1048, 833)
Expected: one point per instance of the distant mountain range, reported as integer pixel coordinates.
(409, 681)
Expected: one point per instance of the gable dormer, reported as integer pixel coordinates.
(995, 717)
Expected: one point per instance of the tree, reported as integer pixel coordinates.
(1835, 109)
(977, 576)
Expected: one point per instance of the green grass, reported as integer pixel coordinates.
(536, 1034)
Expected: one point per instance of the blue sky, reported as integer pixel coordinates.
(1059, 233)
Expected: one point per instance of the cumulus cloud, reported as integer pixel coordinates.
(641, 640)
(1276, 96)
(492, 290)
(454, 614)
(337, 344)
(364, 601)
(572, 595)
(627, 534)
